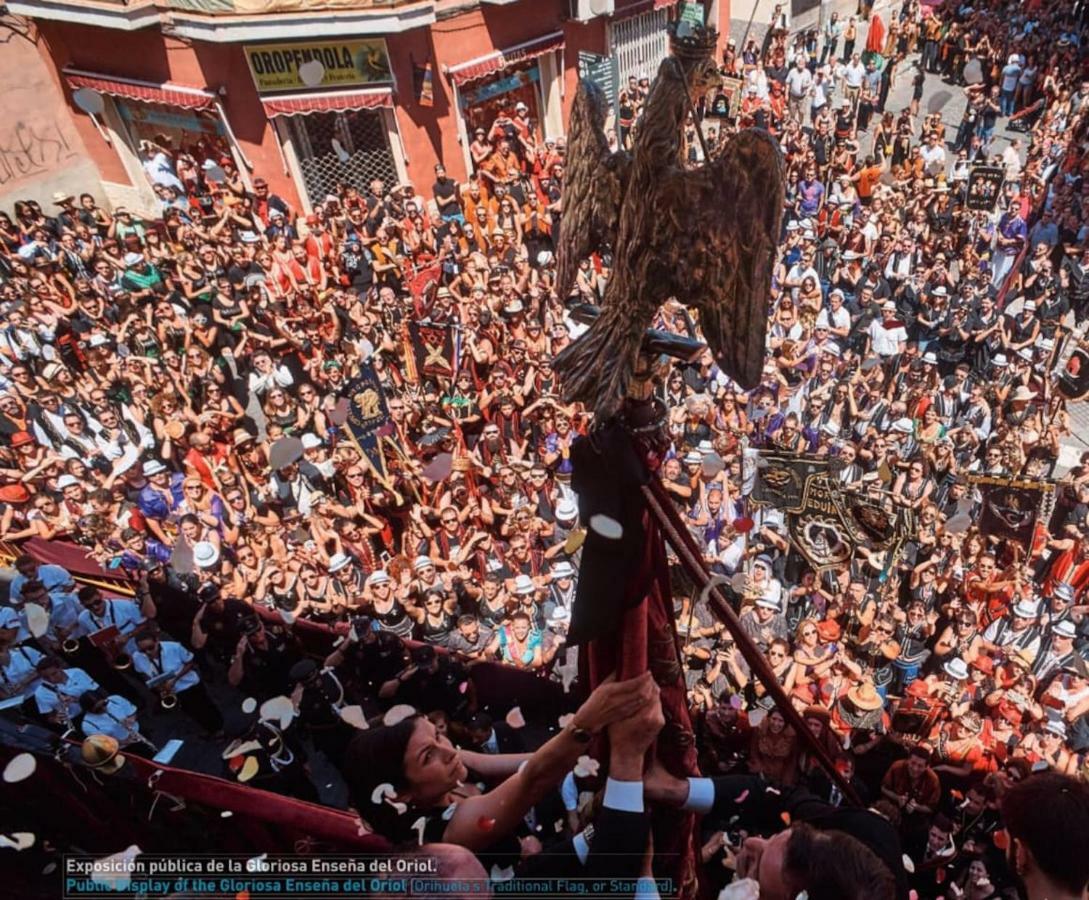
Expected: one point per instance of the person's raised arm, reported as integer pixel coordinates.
(545, 769)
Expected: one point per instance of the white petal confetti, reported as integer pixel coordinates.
(353, 715)
(114, 872)
(279, 708)
(19, 840)
(504, 873)
(909, 864)
(586, 767)
(20, 768)
(566, 719)
(249, 705)
(398, 713)
(607, 527)
(515, 719)
(383, 790)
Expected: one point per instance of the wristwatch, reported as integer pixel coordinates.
(580, 734)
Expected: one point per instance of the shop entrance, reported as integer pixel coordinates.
(483, 102)
(335, 148)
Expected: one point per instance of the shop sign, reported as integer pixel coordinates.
(349, 63)
(142, 114)
(602, 71)
(692, 13)
(485, 92)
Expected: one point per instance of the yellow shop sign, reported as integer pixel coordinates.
(353, 63)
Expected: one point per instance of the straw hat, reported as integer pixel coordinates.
(102, 752)
(865, 697)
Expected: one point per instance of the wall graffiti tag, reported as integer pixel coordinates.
(29, 149)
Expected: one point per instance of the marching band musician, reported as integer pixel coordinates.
(58, 693)
(154, 658)
(126, 616)
(115, 716)
(18, 662)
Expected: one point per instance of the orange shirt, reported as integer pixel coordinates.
(867, 178)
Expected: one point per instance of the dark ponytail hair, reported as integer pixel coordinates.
(377, 756)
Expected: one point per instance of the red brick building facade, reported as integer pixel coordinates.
(396, 86)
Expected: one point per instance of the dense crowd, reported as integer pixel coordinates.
(154, 369)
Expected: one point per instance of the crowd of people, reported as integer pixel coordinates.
(154, 369)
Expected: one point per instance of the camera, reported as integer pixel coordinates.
(208, 592)
(360, 625)
(249, 626)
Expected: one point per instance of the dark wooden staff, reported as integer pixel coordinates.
(676, 534)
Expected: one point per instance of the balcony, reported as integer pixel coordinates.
(126, 15)
(223, 21)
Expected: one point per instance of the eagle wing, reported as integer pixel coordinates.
(734, 206)
(594, 182)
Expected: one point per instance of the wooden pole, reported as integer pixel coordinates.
(679, 539)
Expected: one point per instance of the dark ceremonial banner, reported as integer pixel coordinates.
(433, 347)
(834, 522)
(781, 479)
(368, 415)
(1010, 506)
(984, 187)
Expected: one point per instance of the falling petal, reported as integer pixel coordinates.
(586, 767)
(607, 527)
(353, 715)
(49, 869)
(249, 768)
(249, 705)
(19, 840)
(37, 619)
(1001, 839)
(515, 719)
(418, 826)
(448, 813)
(280, 709)
(242, 895)
(558, 825)
(20, 768)
(379, 794)
(114, 872)
(566, 719)
(398, 713)
(463, 687)
(226, 814)
(235, 763)
(742, 797)
(909, 864)
(785, 816)
(505, 873)
(771, 790)
(398, 807)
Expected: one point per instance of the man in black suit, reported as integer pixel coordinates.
(845, 851)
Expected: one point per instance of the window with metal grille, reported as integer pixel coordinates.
(335, 148)
(639, 44)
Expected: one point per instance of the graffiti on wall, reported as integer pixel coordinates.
(32, 148)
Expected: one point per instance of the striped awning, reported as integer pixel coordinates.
(167, 93)
(482, 67)
(330, 101)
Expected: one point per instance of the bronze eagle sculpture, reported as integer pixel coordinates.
(705, 236)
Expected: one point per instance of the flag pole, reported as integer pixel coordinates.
(677, 537)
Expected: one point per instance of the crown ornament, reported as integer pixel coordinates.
(691, 43)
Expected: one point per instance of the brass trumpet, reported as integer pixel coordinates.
(121, 661)
(69, 646)
(168, 699)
